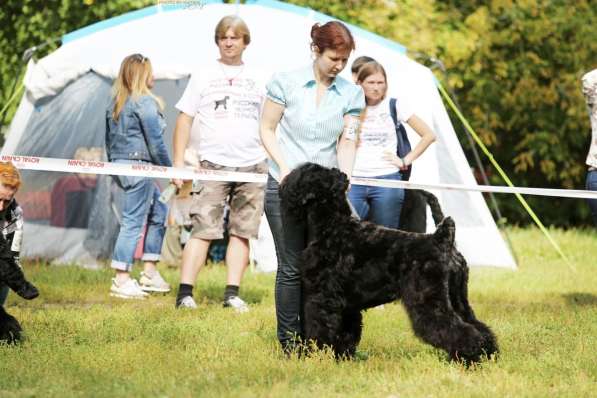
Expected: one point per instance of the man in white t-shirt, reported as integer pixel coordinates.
(219, 119)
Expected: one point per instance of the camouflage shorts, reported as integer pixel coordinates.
(245, 200)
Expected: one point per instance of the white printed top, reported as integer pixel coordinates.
(589, 89)
(378, 135)
(226, 103)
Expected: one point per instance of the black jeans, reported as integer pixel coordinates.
(290, 239)
(592, 186)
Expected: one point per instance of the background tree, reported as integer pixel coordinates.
(28, 23)
(520, 88)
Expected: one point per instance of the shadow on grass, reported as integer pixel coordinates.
(580, 299)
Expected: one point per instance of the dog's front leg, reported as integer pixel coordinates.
(352, 326)
(323, 323)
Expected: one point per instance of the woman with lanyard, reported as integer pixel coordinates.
(317, 114)
(376, 150)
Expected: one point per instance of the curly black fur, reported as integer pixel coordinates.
(351, 265)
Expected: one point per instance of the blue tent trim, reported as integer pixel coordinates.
(145, 12)
(130, 16)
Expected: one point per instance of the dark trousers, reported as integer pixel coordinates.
(290, 239)
(3, 294)
(592, 186)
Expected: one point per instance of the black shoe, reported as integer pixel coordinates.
(10, 329)
(28, 291)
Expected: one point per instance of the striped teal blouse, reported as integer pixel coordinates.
(307, 133)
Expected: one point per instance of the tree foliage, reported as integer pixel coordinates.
(520, 87)
(28, 23)
(514, 65)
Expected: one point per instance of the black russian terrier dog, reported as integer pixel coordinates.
(351, 265)
(12, 275)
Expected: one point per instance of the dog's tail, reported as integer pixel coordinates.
(445, 232)
(436, 210)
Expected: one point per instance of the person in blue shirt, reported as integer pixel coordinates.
(316, 114)
(134, 134)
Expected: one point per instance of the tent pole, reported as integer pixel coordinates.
(13, 93)
(503, 174)
(27, 55)
(494, 203)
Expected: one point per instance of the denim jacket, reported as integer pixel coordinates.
(138, 132)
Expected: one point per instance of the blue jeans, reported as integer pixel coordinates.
(379, 205)
(290, 239)
(592, 186)
(140, 204)
(3, 294)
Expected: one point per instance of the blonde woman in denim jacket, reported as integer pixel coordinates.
(134, 134)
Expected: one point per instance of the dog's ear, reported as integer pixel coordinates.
(293, 191)
(340, 182)
(344, 181)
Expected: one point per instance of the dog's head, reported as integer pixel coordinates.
(311, 187)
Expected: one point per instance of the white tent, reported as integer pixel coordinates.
(66, 93)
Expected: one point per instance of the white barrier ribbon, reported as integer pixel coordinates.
(153, 171)
(563, 193)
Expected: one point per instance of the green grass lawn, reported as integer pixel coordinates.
(81, 342)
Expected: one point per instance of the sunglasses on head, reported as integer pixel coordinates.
(140, 58)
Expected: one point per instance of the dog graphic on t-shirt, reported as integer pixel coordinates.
(222, 102)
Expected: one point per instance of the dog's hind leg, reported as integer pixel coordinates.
(10, 329)
(425, 297)
(458, 293)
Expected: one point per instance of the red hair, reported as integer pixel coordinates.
(333, 35)
(9, 176)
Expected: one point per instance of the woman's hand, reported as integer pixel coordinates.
(394, 159)
(283, 173)
(177, 182)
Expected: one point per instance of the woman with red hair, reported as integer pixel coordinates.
(316, 115)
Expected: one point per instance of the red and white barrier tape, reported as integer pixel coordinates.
(147, 170)
(128, 169)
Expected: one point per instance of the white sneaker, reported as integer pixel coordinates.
(237, 303)
(154, 284)
(187, 302)
(128, 290)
